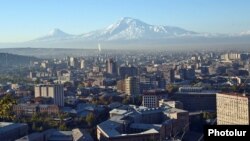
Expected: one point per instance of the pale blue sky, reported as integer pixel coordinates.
(22, 20)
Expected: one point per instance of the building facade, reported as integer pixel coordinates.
(151, 98)
(194, 99)
(232, 109)
(55, 91)
(29, 109)
(132, 86)
(111, 67)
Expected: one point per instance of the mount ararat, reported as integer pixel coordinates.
(129, 32)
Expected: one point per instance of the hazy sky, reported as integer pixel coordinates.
(22, 20)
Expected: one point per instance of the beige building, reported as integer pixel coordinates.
(54, 91)
(120, 86)
(232, 109)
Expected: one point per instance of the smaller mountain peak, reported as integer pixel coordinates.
(56, 31)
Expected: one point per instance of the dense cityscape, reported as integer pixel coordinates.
(123, 95)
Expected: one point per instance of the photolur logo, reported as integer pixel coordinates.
(235, 133)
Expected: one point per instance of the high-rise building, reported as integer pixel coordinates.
(111, 66)
(183, 73)
(190, 74)
(82, 64)
(126, 71)
(54, 91)
(171, 76)
(232, 109)
(132, 86)
(73, 62)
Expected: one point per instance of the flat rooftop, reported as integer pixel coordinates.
(61, 135)
(202, 92)
(109, 128)
(32, 136)
(145, 126)
(6, 126)
(235, 94)
(118, 111)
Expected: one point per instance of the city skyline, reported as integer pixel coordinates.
(26, 20)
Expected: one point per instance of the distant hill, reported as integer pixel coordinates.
(8, 59)
(49, 52)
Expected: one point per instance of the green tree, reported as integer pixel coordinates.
(37, 81)
(62, 116)
(63, 127)
(171, 88)
(6, 104)
(126, 100)
(80, 85)
(234, 88)
(34, 126)
(90, 119)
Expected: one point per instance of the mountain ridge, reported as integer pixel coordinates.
(124, 29)
(133, 33)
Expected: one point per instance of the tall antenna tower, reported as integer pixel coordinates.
(6, 60)
(99, 47)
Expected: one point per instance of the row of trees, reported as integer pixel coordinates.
(6, 104)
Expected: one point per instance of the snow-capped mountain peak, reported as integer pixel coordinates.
(55, 35)
(128, 28)
(57, 32)
(133, 29)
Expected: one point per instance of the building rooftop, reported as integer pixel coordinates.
(150, 131)
(118, 111)
(201, 92)
(149, 110)
(236, 94)
(32, 137)
(175, 110)
(61, 135)
(6, 126)
(109, 128)
(145, 126)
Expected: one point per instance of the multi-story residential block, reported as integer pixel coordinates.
(232, 109)
(132, 86)
(151, 98)
(29, 109)
(55, 91)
